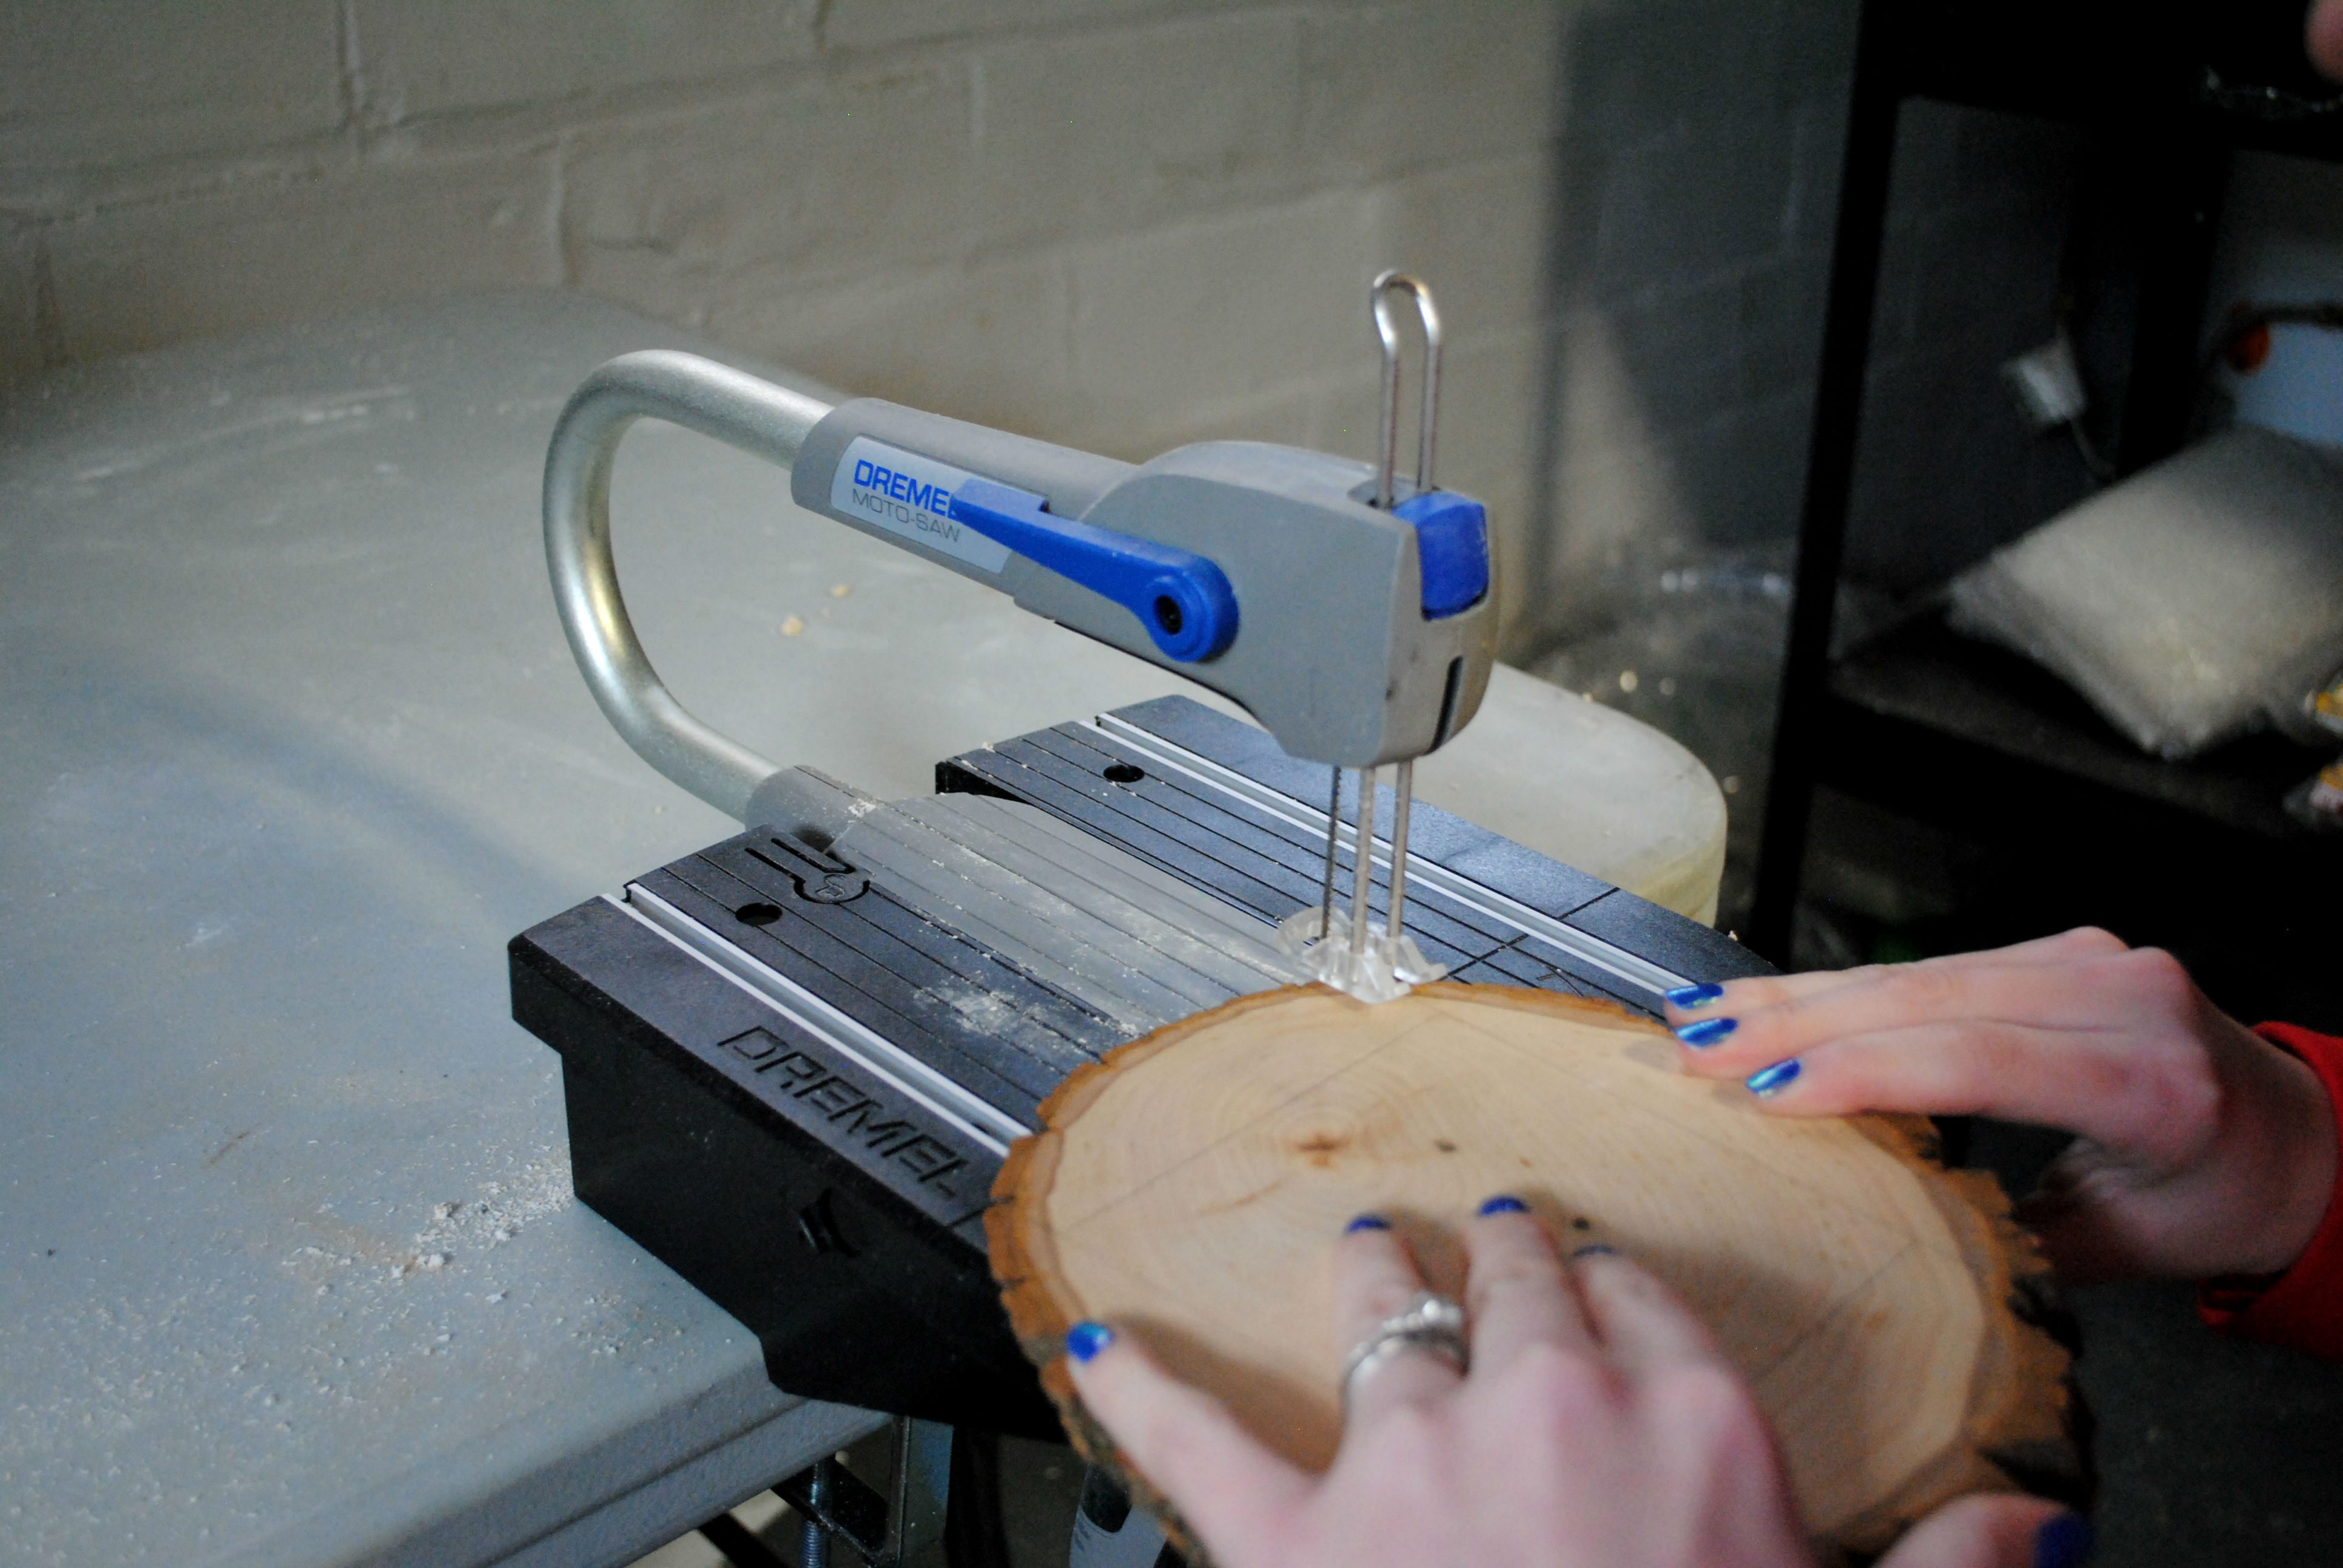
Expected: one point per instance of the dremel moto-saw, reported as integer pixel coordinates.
(792, 1062)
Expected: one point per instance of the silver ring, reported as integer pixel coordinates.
(1429, 1323)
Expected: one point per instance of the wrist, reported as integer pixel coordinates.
(2289, 1136)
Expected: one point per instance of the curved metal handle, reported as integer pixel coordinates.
(757, 416)
(1387, 458)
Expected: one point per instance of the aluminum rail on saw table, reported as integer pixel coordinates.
(760, 418)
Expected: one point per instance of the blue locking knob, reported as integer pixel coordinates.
(1451, 547)
(1184, 599)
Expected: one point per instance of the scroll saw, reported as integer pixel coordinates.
(793, 1061)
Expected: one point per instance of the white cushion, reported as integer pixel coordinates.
(2197, 599)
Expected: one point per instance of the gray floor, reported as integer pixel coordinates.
(1039, 1484)
(2212, 1452)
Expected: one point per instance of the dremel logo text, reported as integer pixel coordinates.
(924, 507)
(909, 495)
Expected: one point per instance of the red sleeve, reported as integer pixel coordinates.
(2302, 1307)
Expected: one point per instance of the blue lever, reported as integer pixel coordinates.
(1182, 599)
(1452, 545)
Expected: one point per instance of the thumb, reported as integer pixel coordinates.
(2323, 33)
(1186, 1443)
(1995, 1529)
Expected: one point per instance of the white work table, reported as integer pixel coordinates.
(290, 1272)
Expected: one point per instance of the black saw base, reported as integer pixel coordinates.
(729, 1111)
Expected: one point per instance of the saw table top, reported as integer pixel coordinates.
(292, 746)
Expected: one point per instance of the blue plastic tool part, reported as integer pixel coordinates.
(1452, 545)
(1184, 599)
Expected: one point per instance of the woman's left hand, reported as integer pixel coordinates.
(1598, 1427)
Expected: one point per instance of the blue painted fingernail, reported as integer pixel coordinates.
(1596, 1250)
(2065, 1541)
(1086, 1339)
(1707, 1032)
(1689, 996)
(1774, 1079)
(1366, 1223)
(1504, 1203)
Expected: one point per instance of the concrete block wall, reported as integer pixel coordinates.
(1121, 223)
(1697, 180)
(1697, 197)
(1970, 276)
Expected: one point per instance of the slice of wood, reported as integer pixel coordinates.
(1189, 1189)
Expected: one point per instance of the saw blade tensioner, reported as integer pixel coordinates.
(1344, 948)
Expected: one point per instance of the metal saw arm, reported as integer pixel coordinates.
(1354, 616)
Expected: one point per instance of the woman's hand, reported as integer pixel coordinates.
(2202, 1149)
(1599, 1427)
(2322, 36)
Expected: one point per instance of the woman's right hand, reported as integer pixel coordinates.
(1599, 1427)
(2322, 30)
(2202, 1149)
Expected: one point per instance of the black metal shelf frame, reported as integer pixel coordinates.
(2142, 74)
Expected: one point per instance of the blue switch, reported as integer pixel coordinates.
(1451, 547)
(1184, 599)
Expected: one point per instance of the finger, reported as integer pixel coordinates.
(2059, 947)
(1376, 1278)
(1734, 998)
(2082, 994)
(1516, 1291)
(2084, 1084)
(2068, 977)
(1645, 1328)
(2323, 36)
(1186, 1444)
(1994, 1531)
(1689, 1004)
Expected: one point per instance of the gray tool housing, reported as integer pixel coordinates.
(1333, 654)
